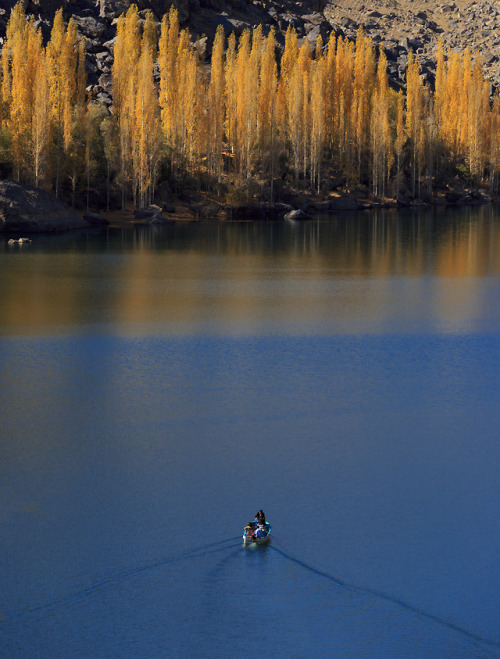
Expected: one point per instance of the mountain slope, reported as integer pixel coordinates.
(401, 25)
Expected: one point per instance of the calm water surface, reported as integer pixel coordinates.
(157, 387)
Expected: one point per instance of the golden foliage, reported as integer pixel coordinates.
(245, 117)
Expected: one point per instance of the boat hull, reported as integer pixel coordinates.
(253, 540)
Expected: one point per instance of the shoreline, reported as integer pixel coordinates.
(205, 207)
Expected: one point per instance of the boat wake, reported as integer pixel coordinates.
(366, 590)
(123, 575)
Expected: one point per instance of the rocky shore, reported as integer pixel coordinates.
(25, 209)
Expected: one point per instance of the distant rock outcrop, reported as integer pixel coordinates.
(29, 209)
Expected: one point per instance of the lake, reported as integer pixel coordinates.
(159, 386)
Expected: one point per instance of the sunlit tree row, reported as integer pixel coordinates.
(249, 120)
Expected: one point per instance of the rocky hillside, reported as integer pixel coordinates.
(401, 25)
(419, 25)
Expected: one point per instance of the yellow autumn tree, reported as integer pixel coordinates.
(267, 120)
(40, 124)
(146, 135)
(169, 76)
(63, 65)
(124, 72)
(18, 68)
(364, 79)
(381, 142)
(318, 133)
(415, 118)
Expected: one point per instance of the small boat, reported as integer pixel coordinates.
(254, 534)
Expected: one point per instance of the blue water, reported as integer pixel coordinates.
(158, 389)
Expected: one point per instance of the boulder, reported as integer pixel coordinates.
(246, 212)
(144, 213)
(322, 206)
(20, 241)
(205, 210)
(94, 219)
(93, 28)
(113, 8)
(297, 215)
(29, 209)
(453, 196)
(347, 203)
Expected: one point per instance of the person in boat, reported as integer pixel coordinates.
(260, 518)
(261, 531)
(250, 529)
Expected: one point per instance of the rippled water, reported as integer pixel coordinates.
(158, 387)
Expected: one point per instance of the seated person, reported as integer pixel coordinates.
(261, 531)
(250, 528)
(260, 517)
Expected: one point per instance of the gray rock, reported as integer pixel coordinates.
(113, 8)
(322, 206)
(316, 18)
(202, 47)
(347, 203)
(103, 59)
(94, 219)
(106, 82)
(29, 209)
(20, 241)
(104, 99)
(93, 46)
(453, 196)
(110, 45)
(277, 211)
(297, 215)
(313, 33)
(403, 199)
(91, 27)
(246, 212)
(205, 210)
(150, 211)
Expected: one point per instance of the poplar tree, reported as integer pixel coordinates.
(400, 139)
(364, 77)
(267, 111)
(381, 146)
(318, 119)
(216, 110)
(291, 96)
(40, 125)
(146, 137)
(415, 118)
(231, 96)
(16, 87)
(124, 72)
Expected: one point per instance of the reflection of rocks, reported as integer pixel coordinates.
(29, 209)
(151, 215)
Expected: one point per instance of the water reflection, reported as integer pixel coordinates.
(366, 272)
